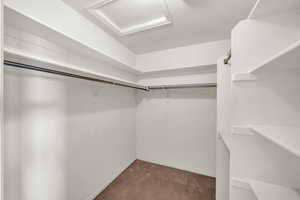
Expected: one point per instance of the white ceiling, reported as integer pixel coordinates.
(143, 15)
(193, 21)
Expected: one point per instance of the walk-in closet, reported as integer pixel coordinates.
(150, 100)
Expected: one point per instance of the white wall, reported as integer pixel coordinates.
(183, 57)
(65, 138)
(177, 128)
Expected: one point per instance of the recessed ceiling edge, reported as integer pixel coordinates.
(158, 22)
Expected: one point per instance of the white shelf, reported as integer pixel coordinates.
(269, 7)
(206, 67)
(286, 137)
(266, 191)
(286, 59)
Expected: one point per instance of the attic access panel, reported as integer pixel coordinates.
(131, 16)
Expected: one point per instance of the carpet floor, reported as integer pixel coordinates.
(148, 181)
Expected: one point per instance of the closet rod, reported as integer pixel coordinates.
(51, 71)
(201, 85)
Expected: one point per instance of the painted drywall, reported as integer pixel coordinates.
(177, 128)
(59, 17)
(65, 138)
(183, 57)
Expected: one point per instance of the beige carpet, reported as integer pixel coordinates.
(147, 181)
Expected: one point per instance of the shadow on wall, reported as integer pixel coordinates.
(65, 138)
(35, 136)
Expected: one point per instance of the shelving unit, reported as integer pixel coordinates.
(266, 191)
(284, 60)
(265, 81)
(286, 137)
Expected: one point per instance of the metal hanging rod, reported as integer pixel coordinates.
(145, 88)
(227, 59)
(201, 85)
(51, 71)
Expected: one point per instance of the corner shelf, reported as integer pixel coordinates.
(267, 191)
(284, 60)
(287, 138)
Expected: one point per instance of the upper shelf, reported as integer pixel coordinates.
(266, 191)
(285, 137)
(269, 7)
(58, 66)
(282, 61)
(90, 41)
(286, 59)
